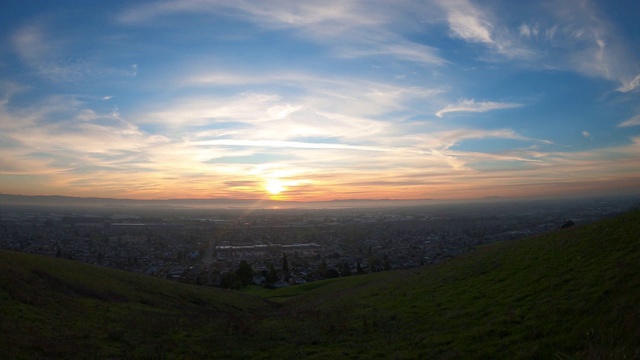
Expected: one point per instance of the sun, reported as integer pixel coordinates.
(274, 186)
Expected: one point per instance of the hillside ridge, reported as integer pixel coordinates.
(571, 293)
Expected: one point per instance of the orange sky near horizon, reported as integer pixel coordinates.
(320, 100)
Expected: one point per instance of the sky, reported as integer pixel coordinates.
(319, 100)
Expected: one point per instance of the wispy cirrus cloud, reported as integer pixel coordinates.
(311, 83)
(570, 35)
(470, 105)
(287, 145)
(399, 49)
(30, 43)
(467, 22)
(474, 24)
(335, 97)
(578, 37)
(634, 121)
(350, 28)
(38, 50)
(281, 13)
(83, 139)
(260, 116)
(629, 85)
(49, 54)
(306, 105)
(456, 136)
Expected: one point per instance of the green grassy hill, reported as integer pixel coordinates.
(571, 294)
(54, 308)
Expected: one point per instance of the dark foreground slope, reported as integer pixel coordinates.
(571, 294)
(54, 308)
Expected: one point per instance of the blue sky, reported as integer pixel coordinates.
(318, 100)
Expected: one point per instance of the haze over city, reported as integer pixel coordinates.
(316, 101)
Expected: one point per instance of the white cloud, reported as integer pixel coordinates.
(8, 89)
(86, 137)
(591, 45)
(30, 43)
(469, 105)
(634, 121)
(568, 35)
(480, 25)
(466, 21)
(199, 111)
(38, 50)
(265, 117)
(439, 146)
(326, 18)
(350, 28)
(456, 136)
(275, 13)
(467, 24)
(528, 30)
(629, 85)
(61, 134)
(400, 49)
(314, 106)
(287, 144)
(52, 55)
(247, 121)
(339, 109)
(308, 83)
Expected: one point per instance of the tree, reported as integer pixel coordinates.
(387, 265)
(567, 224)
(359, 269)
(244, 273)
(322, 269)
(227, 280)
(346, 269)
(273, 275)
(374, 262)
(331, 273)
(285, 267)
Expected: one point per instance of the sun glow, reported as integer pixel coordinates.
(274, 186)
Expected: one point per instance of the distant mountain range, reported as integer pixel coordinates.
(42, 200)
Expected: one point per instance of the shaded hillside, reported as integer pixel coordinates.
(572, 294)
(59, 308)
(569, 294)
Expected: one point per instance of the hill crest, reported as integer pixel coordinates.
(569, 294)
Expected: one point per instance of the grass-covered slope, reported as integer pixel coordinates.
(571, 294)
(54, 308)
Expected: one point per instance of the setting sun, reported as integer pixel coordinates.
(274, 186)
(352, 117)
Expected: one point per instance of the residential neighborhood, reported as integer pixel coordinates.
(282, 247)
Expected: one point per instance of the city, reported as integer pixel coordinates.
(283, 247)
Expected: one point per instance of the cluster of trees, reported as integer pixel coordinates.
(238, 279)
(243, 276)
